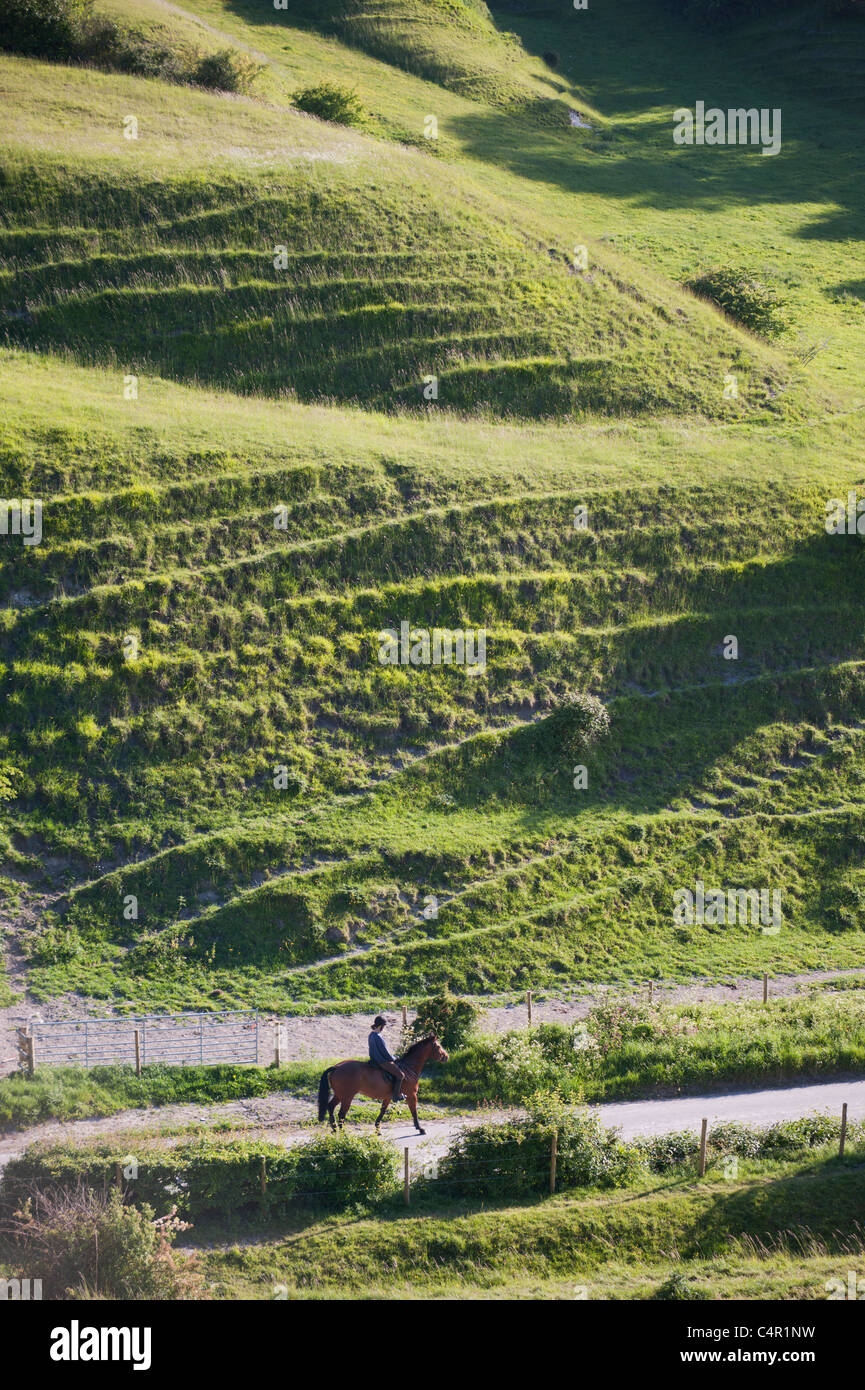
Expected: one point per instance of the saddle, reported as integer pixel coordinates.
(388, 1075)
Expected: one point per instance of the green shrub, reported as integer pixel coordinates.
(337, 1170)
(209, 1175)
(578, 722)
(786, 1139)
(515, 1067)
(664, 1152)
(226, 71)
(613, 1023)
(742, 297)
(42, 28)
(513, 1159)
(331, 102)
(451, 1019)
(678, 1287)
(557, 1043)
(86, 1243)
(793, 1137)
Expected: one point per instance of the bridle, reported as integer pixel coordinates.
(409, 1071)
(415, 1075)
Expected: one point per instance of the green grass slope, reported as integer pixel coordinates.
(258, 649)
(621, 182)
(390, 271)
(761, 1236)
(152, 778)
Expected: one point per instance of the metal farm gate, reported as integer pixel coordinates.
(183, 1040)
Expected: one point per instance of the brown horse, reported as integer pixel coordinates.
(350, 1079)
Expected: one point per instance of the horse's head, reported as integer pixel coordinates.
(438, 1053)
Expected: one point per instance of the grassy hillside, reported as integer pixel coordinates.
(263, 390)
(259, 648)
(392, 270)
(622, 182)
(764, 1236)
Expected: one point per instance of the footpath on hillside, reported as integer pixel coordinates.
(343, 1035)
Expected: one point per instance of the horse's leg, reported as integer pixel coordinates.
(411, 1097)
(343, 1110)
(384, 1105)
(330, 1109)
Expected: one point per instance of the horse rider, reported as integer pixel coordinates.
(380, 1057)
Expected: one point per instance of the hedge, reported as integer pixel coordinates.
(207, 1176)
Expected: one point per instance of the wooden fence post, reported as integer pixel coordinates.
(553, 1153)
(843, 1139)
(529, 1005)
(651, 990)
(277, 1040)
(703, 1148)
(138, 1052)
(262, 1178)
(765, 989)
(26, 1053)
(406, 1181)
(404, 1016)
(118, 1176)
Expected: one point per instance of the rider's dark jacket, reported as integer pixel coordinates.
(378, 1049)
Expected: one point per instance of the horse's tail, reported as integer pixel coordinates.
(324, 1093)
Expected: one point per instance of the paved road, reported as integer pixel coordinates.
(644, 1117)
(750, 1107)
(285, 1119)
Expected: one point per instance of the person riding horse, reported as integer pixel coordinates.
(380, 1057)
(339, 1085)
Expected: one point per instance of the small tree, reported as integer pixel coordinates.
(331, 102)
(578, 722)
(743, 297)
(451, 1019)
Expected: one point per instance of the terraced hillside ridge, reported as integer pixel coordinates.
(321, 286)
(258, 650)
(216, 342)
